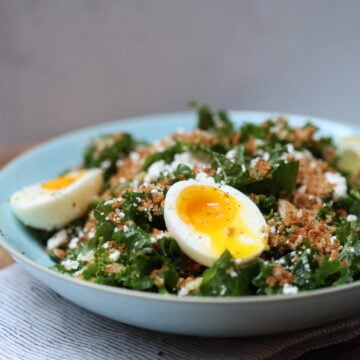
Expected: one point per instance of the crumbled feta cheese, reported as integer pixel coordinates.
(223, 289)
(204, 177)
(339, 182)
(273, 230)
(74, 242)
(254, 161)
(105, 164)
(232, 273)
(87, 257)
(266, 156)
(58, 239)
(70, 264)
(261, 155)
(290, 290)
(160, 167)
(190, 287)
(134, 156)
(106, 245)
(155, 170)
(119, 213)
(351, 218)
(186, 158)
(231, 155)
(332, 239)
(115, 255)
(119, 162)
(155, 238)
(297, 155)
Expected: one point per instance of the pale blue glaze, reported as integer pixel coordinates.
(193, 316)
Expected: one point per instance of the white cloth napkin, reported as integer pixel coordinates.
(36, 323)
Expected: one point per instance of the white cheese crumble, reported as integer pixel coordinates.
(290, 290)
(204, 177)
(231, 155)
(351, 218)
(254, 161)
(134, 156)
(155, 170)
(74, 242)
(120, 213)
(105, 164)
(115, 255)
(266, 156)
(58, 239)
(87, 257)
(297, 155)
(339, 183)
(160, 167)
(190, 287)
(232, 273)
(273, 230)
(223, 289)
(70, 264)
(155, 238)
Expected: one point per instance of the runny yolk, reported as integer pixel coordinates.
(63, 181)
(217, 214)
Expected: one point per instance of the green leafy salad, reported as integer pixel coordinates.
(223, 210)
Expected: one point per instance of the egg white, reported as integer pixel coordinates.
(197, 245)
(46, 209)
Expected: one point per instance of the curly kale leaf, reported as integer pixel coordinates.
(166, 155)
(225, 278)
(281, 178)
(349, 236)
(331, 273)
(354, 201)
(139, 262)
(106, 150)
(217, 122)
(310, 273)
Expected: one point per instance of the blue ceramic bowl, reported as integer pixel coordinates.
(204, 316)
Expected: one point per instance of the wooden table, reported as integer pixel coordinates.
(345, 351)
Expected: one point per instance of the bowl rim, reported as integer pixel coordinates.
(137, 294)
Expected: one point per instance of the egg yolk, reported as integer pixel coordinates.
(217, 214)
(63, 181)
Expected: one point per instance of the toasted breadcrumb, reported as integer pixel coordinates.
(280, 276)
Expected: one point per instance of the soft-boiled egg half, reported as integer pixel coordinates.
(55, 203)
(207, 219)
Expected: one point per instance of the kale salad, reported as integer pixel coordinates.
(303, 231)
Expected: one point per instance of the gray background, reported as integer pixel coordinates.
(67, 64)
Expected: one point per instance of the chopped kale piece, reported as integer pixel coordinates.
(105, 151)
